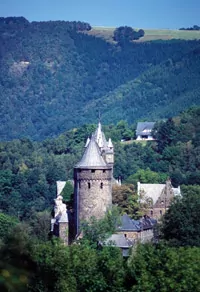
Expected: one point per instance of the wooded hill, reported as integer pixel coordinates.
(54, 77)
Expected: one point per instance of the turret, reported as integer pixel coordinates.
(93, 185)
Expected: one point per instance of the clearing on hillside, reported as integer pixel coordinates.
(150, 34)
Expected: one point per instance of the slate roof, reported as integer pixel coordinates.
(118, 240)
(128, 224)
(92, 157)
(142, 126)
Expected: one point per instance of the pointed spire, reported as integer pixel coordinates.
(87, 142)
(110, 144)
(92, 156)
(100, 137)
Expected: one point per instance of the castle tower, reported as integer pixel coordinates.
(92, 183)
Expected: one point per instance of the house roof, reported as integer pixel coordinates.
(118, 240)
(154, 191)
(128, 224)
(92, 157)
(142, 126)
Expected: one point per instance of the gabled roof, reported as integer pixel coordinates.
(152, 191)
(156, 191)
(92, 157)
(142, 126)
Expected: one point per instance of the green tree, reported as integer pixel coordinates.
(147, 176)
(126, 199)
(181, 225)
(163, 268)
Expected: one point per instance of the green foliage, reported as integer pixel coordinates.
(6, 223)
(98, 230)
(147, 176)
(68, 191)
(162, 268)
(181, 225)
(126, 199)
(125, 34)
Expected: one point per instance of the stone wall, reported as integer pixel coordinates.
(139, 236)
(93, 194)
(93, 174)
(63, 232)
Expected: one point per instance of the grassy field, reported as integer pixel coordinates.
(150, 34)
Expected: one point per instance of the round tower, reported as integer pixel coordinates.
(93, 185)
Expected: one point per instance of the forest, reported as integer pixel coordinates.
(55, 77)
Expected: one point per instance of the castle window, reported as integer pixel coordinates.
(151, 213)
(101, 185)
(160, 212)
(104, 170)
(93, 170)
(79, 184)
(89, 186)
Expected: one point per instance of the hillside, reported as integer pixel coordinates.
(54, 77)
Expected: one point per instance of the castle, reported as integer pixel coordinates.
(93, 177)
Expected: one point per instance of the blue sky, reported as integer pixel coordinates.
(136, 13)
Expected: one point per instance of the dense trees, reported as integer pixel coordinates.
(181, 225)
(50, 70)
(29, 265)
(125, 34)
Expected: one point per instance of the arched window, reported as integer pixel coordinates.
(89, 186)
(101, 185)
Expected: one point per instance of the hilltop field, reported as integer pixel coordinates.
(150, 34)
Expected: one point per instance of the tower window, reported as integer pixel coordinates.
(89, 186)
(160, 212)
(151, 213)
(93, 170)
(104, 170)
(79, 184)
(101, 185)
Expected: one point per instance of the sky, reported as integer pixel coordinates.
(171, 14)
